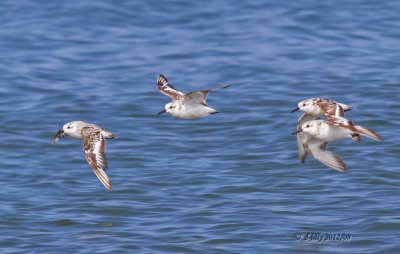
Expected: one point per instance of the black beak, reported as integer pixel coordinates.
(162, 111)
(60, 133)
(299, 130)
(294, 110)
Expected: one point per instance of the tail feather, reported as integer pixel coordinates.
(345, 107)
(368, 133)
(107, 134)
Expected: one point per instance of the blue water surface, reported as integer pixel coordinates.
(227, 183)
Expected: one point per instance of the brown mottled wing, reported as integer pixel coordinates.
(332, 108)
(356, 130)
(345, 124)
(199, 97)
(167, 89)
(341, 122)
(94, 147)
(338, 110)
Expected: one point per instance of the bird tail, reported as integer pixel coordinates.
(345, 107)
(107, 134)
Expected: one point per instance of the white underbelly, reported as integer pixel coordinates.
(194, 112)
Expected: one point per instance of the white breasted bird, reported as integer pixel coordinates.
(94, 146)
(313, 109)
(320, 132)
(186, 105)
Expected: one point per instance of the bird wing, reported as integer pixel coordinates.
(338, 111)
(355, 129)
(303, 136)
(331, 108)
(168, 89)
(317, 148)
(94, 146)
(341, 122)
(200, 97)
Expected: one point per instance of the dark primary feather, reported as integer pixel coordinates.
(168, 89)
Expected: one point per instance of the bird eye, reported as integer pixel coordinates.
(307, 126)
(69, 127)
(304, 104)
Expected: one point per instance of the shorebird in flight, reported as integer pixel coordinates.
(94, 146)
(313, 109)
(186, 105)
(320, 132)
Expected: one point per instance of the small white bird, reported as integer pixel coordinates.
(318, 107)
(313, 109)
(187, 106)
(94, 146)
(337, 128)
(320, 132)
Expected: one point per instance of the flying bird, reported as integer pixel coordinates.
(186, 105)
(320, 132)
(313, 109)
(94, 146)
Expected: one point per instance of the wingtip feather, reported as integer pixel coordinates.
(219, 88)
(162, 80)
(328, 158)
(368, 133)
(102, 176)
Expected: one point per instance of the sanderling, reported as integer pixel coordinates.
(337, 128)
(313, 109)
(318, 107)
(320, 132)
(94, 145)
(187, 106)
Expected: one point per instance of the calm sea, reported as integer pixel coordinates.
(228, 183)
